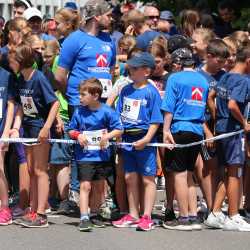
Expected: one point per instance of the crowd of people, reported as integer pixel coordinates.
(114, 79)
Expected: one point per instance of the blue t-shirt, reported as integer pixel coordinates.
(185, 97)
(86, 56)
(88, 120)
(35, 95)
(232, 86)
(6, 93)
(139, 108)
(46, 37)
(212, 81)
(145, 39)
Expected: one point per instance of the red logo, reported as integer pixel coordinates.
(135, 103)
(101, 60)
(197, 93)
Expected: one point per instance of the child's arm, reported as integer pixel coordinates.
(44, 132)
(140, 144)
(106, 137)
(9, 119)
(17, 123)
(211, 103)
(208, 134)
(167, 135)
(81, 138)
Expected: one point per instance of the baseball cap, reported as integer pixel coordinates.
(32, 12)
(166, 15)
(95, 8)
(178, 41)
(142, 59)
(71, 5)
(183, 56)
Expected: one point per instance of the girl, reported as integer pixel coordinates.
(6, 118)
(38, 111)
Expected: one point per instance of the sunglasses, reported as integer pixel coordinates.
(153, 17)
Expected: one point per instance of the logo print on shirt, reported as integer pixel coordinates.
(135, 103)
(197, 93)
(101, 60)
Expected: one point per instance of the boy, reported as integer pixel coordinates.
(139, 107)
(93, 124)
(184, 104)
(232, 95)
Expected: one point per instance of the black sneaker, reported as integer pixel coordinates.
(39, 220)
(67, 207)
(169, 215)
(182, 225)
(97, 221)
(195, 223)
(85, 226)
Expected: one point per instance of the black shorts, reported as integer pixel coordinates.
(182, 159)
(94, 171)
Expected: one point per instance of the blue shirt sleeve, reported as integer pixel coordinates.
(155, 107)
(239, 92)
(68, 52)
(73, 125)
(170, 97)
(114, 121)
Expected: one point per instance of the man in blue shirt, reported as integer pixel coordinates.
(184, 105)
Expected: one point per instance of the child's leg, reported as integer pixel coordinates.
(41, 154)
(3, 183)
(233, 187)
(132, 180)
(246, 186)
(192, 195)
(181, 191)
(24, 185)
(97, 196)
(149, 194)
(85, 188)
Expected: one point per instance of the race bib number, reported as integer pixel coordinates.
(1, 108)
(29, 107)
(131, 109)
(94, 137)
(106, 86)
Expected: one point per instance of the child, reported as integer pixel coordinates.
(6, 118)
(93, 125)
(39, 109)
(232, 96)
(139, 107)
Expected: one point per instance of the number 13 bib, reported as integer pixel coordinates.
(131, 108)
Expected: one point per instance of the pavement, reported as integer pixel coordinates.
(63, 234)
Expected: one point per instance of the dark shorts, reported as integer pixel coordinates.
(30, 132)
(94, 171)
(183, 159)
(231, 150)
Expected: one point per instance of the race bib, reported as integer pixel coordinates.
(1, 108)
(131, 108)
(107, 87)
(29, 107)
(94, 138)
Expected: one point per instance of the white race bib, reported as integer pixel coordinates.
(1, 108)
(29, 107)
(131, 108)
(107, 87)
(94, 138)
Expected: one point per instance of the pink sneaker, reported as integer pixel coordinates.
(125, 221)
(5, 216)
(145, 224)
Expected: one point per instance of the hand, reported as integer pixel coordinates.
(59, 126)
(130, 30)
(4, 145)
(247, 127)
(82, 140)
(14, 133)
(104, 142)
(140, 144)
(168, 139)
(209, 144)
(43, 135)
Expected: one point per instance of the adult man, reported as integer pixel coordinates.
(20, 6)
(152, 15)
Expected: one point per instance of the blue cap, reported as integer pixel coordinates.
(167, 15)
(71, 5)
(142, 59)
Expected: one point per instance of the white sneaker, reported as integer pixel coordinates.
(236, 223)
(215, 221)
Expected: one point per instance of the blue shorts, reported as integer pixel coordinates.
(142, 162)
(231, 150)
(31, 132)
(61, 153)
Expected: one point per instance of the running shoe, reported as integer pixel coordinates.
(85, 225)
(215, 221)
(236, 223)
(145, 224)
(37, 221)
(5, 216)
(126, 221)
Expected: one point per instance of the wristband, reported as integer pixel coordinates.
(74, 134)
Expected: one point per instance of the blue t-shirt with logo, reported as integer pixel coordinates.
(185, 97)
(86, 56)
(139, 107)
(35, 96)
(6, 93)
(232, 86)
(145, 39)
(91, 121)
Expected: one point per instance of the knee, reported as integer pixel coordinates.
(85, 186)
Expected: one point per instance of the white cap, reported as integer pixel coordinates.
(32, 12)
